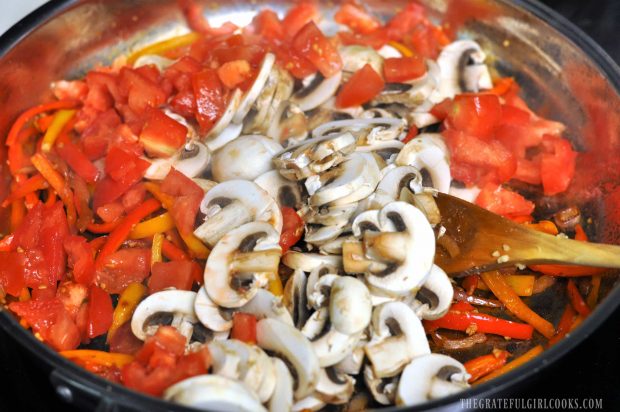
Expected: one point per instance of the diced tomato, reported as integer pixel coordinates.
(179, 73)
(50, 320)
(252, 53)
(503, 202)
(292, 228)
(514, 115)
(124, 341)
(80, 259)
(268, 25)
(161, 362)
(77, 161)
(70, 89)
(427, 40)
(72, 295)
(528, 171)
(124, 170)
(405, 20)
(298, 16)
(557, 165)
(442, 109)
(175, 274)
(244, 327)
(401, 69)
(134, 197)
(142, 92)
(97, 135)
(362, 87)
(12, 272)
(99, 312)
(161, 135)
(297, 65)
(475, 114)
(210, 100)
(234, 73)
(310, 43)
(188, 196)
(376, 39)
(122, 268)
(110, 212)
(184, 103)
(356, 18)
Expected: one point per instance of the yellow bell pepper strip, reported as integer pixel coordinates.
(576, 299)
(163, 46)
(26, 116)
(127, 303)
(404, 50)
(500, 288)
(523, 285)
(121, 232)
(148, 228)
(275, 285)
(526, 357)
(195, 246)
(158, 240)
(98, 357)
(58, 183)
(485, 364)
(61, 118)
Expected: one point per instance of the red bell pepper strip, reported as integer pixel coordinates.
(466, 320)
(19, 160)
(470, 283)
(103, 227)
(121, 232)
(526, 357)
(35, 183)
(502, 290)
(485, 364)
(59, 184)
(244, 327)
(565, 324)
(172, 251)
(576, 299)
(33, 111)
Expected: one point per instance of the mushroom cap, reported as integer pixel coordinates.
(455, 69)
(214, 393)
(288, 342)
(266, 305)
(434, 298)
(285, 192)
(316, 90)
(428, 151)
(250, 251)
(294, 298)
(282, 398)
(192, 160)
(209, 313)
(334, 387)
(308, 261)
(246, 157)
(350, 307)
(430, 377)
(252, 94)
(355, 57)
(215, 138)
(177, 302)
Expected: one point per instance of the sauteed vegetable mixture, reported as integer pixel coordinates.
(244, 218)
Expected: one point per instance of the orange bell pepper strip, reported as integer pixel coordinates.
(164, 46)
(565, 324)
(148, 228)
(121, 232)
(576, 299)
(34, 184)
(98, 357)
(545, 226)
(26, 116)
(526, 357)
(58, 183)
(485, 364)
(523, 285)
(61, 118)
(500, 288)
(594, 291)
(127, 303)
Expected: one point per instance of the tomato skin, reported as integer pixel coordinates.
(268, 25)
(123, 267)
(99, 133)
(142, 92)
(161, 135)
(362, 87)
(78, 161)
(405, 20)
(298, 16)
(244, 327)
(292, 228)
(176, 274)
(557, 165)
(503, 201)
(400, 69)
(124, 341)
(99, 312)
(310, 43)
(475, 114)
(297, 65)
(124, 169)
(188, 196)
(209, 98)
(81, 259)
(12, 272)
(235, 72)
(356, 18)
(375, 39)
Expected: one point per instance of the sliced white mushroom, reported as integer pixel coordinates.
(282, 398)
(214, 393)
(192, 160)
(242, 261)
(349, 305)
(319, 235)
(170, 307)
(205, 184)
(289, 124)
(355, 57)
(353, 362)
(317, 292)
(309, 403)
(431, 377)
(428, 152)
(334, 387)
(330, 346)
(466, 193)
(388, 52)
(233, 203)
(228, 134)
(316, 90)
(266, 305)
(294, 298)
(434, 297)
(264, 112)
(397, 337)
(397, 248)
(308, 261)
(252, 94)
(329, 215)
(383, 390)
(246, 157)
(414, 93)
(287, 342)
(210, 314)
(393, 182)
(284, 191)
(462, 69)
(367, 130)
(153, 59)
(218, 136)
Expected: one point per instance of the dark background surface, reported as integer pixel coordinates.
(592, 370)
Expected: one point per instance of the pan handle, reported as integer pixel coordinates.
(75, 391)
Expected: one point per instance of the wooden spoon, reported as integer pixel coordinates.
(488, 241)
